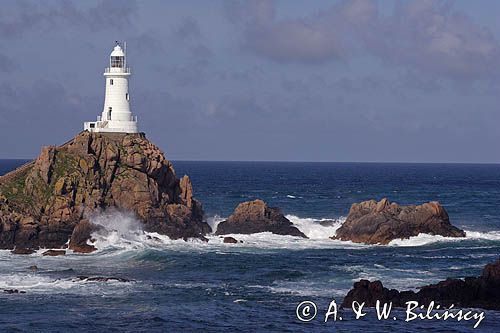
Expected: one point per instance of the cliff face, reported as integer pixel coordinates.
(42, 202)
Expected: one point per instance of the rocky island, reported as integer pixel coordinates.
(256, 216)
(373, 222)
(47, 202)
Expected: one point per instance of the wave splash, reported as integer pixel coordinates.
(119, 230)
(316, 228)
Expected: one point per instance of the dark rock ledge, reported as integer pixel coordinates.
(471, 292)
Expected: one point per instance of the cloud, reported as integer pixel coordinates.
(6, 64)
(20, 17)
(433, 37)
(315, 39)
(424, 35)
(188, 29)
(52, 112)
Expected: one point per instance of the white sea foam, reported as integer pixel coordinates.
(425, 239)
(123, 231)
(39, 283)
(316, 228)
(318, 232)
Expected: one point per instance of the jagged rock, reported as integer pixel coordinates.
(380, 222)
(33, 268)
(80, 235)
(471, 292)
(44, 203)
(256, 216)
(186, 191)
(54, 253)
(230, 240)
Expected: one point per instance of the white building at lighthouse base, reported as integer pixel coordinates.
(113, 126)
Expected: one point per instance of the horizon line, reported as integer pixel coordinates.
(301, 161)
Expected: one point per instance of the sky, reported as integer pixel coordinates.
(263, 80)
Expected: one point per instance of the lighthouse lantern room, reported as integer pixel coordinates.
(116, 116)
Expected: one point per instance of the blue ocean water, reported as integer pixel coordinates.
(256, 285)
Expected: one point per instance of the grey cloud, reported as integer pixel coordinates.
(52, 112)
(426, 35)
(201, 51)
(321, 37)
(189, 33)
(188, 29)
(431, 36)
(19, 17)
(7, 65)
(193, 73)
(147, 42)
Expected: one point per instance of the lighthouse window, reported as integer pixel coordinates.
(109, 112)
(127, 97)
(111, 81)
(117, 61)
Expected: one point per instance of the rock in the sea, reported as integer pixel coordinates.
(230, 240)
(22, 250)
(102, 279)
(80, 236)
(471, 292)
(14, 291)
(54, 253)
(256, 216)
(45, 202)
(373, 222)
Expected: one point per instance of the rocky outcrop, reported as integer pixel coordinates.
(54, 253)
(80, 236)
(373, 222)
(471, 292)
(14, 291)
(230, 240)
(102, 279)
(22, 250)
(256, 216)
(46, 202)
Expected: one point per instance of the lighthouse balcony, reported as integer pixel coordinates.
(117, 70)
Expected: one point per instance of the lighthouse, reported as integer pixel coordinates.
(116, 116)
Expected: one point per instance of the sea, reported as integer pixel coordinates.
(257, 285)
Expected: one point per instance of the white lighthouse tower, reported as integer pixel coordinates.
(116, 116)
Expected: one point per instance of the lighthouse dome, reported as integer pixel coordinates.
(117, 52)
